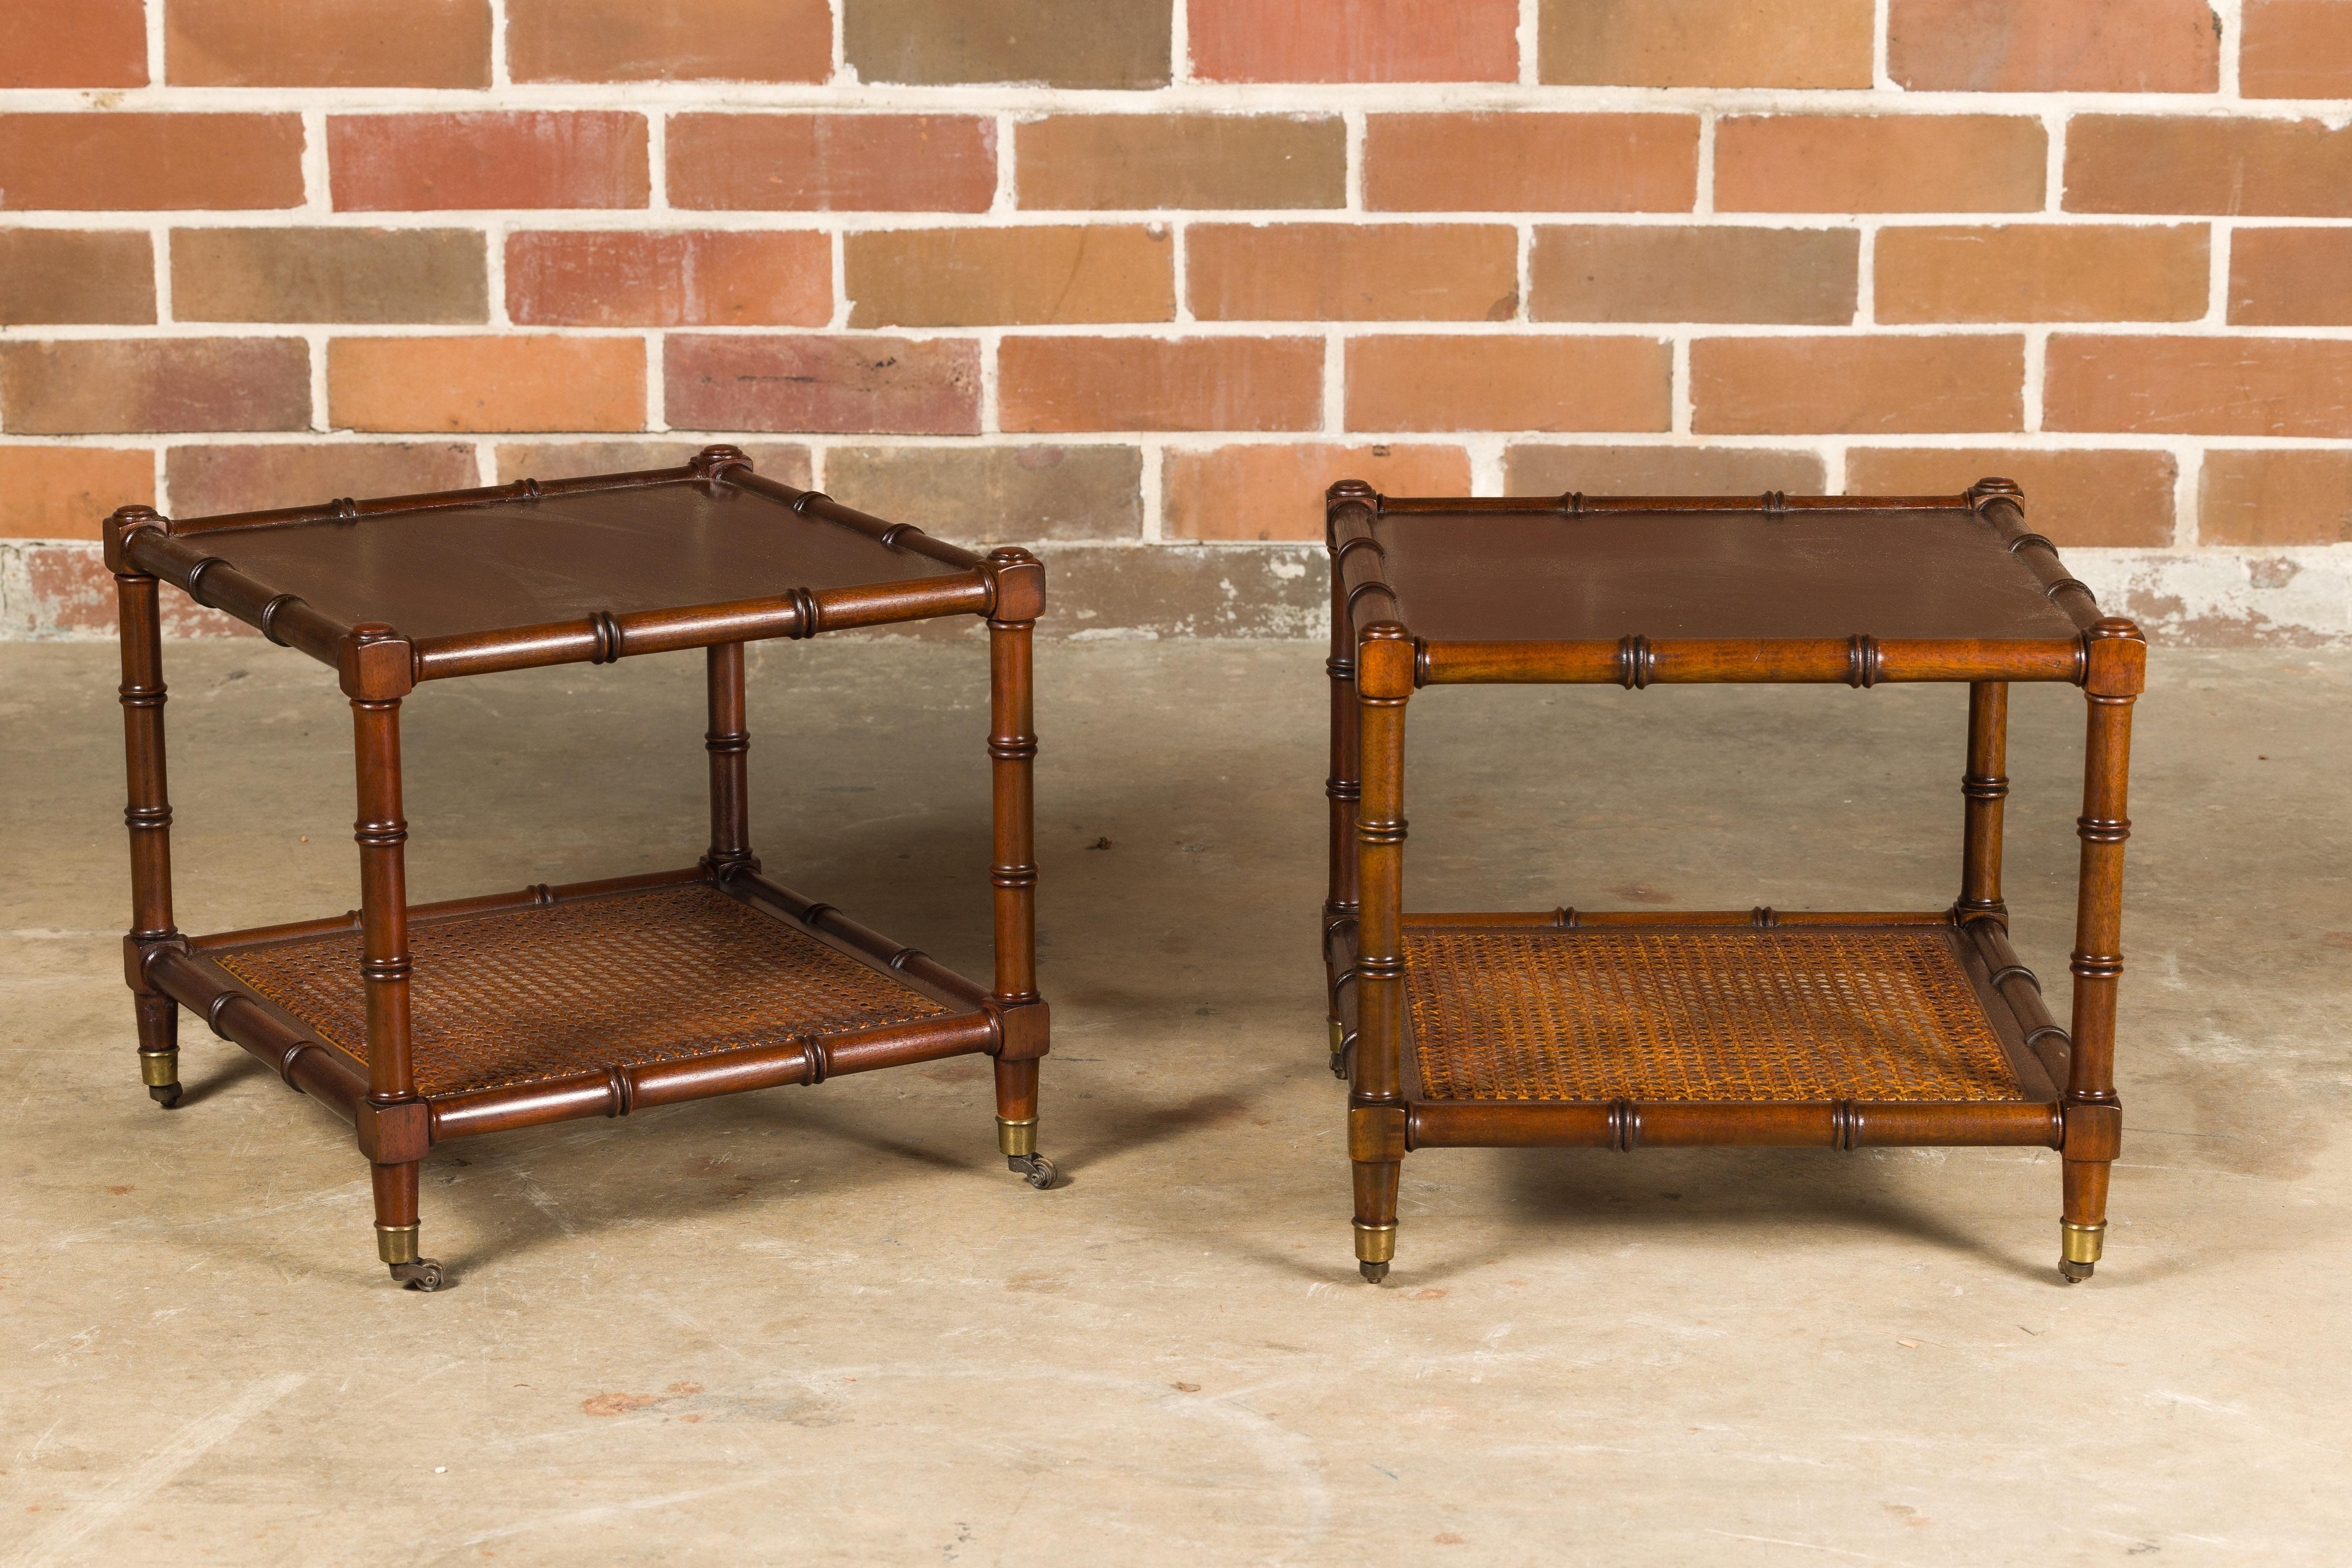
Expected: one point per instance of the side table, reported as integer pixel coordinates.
(421, 1024)
(1759, 1027)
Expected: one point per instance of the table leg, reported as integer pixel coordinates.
(1985, 788)
(1344, 788)
(148, 816)
(1384, 681)
(1012, 871)
(729, 742)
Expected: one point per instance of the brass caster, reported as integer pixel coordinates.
(1016, 1140)
(2080, 1253)
(167, 1095)
(425, 1274)
(1373, 1273)
(159, 1071)
(2074, 1273)
(1035, 1169)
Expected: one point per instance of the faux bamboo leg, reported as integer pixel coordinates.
(1384, 682)
(381, 830)
(2094, 1113)
(148, 816)
(729, 742)
(1984, 788)
(1012, 752)
(1344, 788)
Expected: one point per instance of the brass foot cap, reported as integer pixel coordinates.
(1338, 1036)
(1016, 1140)
(159, 1069)
(396, 1244)
(2083, 1243)
(1375, 1243)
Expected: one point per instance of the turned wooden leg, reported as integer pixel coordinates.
(1343, 789)
(148, 817)
(1384, 681)
(1985, 788)
(729, 742)
(1013, 867)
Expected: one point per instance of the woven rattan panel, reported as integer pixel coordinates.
(620, 980)
(1698, 1014)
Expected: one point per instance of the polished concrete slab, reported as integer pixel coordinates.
(826, 1326)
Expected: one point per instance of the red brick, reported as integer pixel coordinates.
(2234, 168)
(1210, 161)
(1707, 43)
(1158, 384)
(1548, 383)
(1056, 43)
(2199, 386)
(1274, 490)
(90, 43)
(213, 481)
(2042, 272)
(565, 278)
(1352, 272)
(679, 40)
(2259, 497)
(154, 384)
(89, 163)
(65, 492)
(69, 590)
(410, 277)
(326, 43)
(2033, 46)
(2108, 498)
(831, 386)
(1856, 385)
(2291, 278)
(1027, 276)
(1701, 272)
(521, 158)
(484, 383)
(90, 276)
(995, 495)
(1879, 163)
(2297, 48)
(832, 163)
(1657, 469)
(787, 463)
(1502, 163)
(1354, 40)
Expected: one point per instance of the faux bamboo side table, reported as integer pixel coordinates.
(1762, 1027)
(422, 1024)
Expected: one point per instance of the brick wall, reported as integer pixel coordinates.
(1137, 277)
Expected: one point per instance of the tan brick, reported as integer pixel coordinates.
(679, 40)
(326, 43)
(69, 590)
(65, 492)
(1707, 43)
(2042, 272)
(2291, 278)
(2297, 48)
(154, 384)
(1274, 490)
(1058, 43)
(487, 383)
(104, 277)
(1539, 469)
(2199, 386)
(2235, 167)
(1412, 383)
(1354, 40)
(412, 276)
(1185, 592)
(501, 158)
(787, 463)
(1856, 385)
(1208, 161)
(1879, 163)
(1628, 272)
(2259, 497)
(2121, 499)
(1503, 162)
(1047, 276)
(2031, 45)
(213, 481)
(1155, 383)
(832, 163)
(838, 385)
(90, 42)
(1352, 272)
(565, 278)
(995, 495)
(90, 162)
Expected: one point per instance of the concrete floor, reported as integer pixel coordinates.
(826, 1326)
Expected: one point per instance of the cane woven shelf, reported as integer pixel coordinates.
(1664, 1015)
(521, 996)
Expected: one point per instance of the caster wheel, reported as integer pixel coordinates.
(1339, 1065)
(1374, 1272)
(167, 1095)
(2075, 1273)
(425, 1274)
(1035, 1169)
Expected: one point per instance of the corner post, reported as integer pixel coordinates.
(729, 742)
(1385, 658)
(1343, 786)
(1985, 788)
(1018, 597)
(2115, 674)
(147, 813)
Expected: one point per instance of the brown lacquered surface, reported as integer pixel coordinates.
(512, 563)
(1893, 574)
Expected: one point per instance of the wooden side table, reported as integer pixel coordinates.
(422, 1024)
(1758, 1027)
